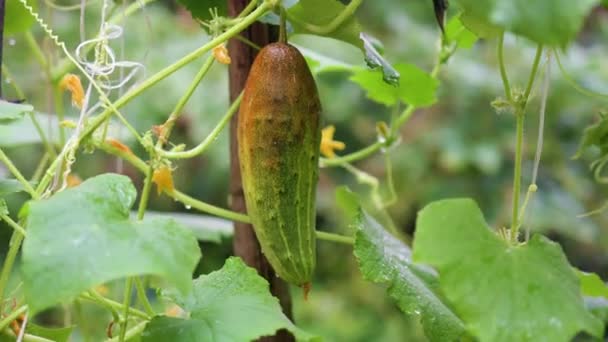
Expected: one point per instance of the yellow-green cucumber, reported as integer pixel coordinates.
(278, 137)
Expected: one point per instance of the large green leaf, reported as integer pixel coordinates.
(232, 304)
(10, 112)
(456, 33)
(503, 292)
(416, 87)
(322, 12)
(83, 237)
(592, 285)
(200, 9)
(16, 18)
(550, 22)
(384, 259)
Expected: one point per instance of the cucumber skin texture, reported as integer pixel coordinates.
(279, 134)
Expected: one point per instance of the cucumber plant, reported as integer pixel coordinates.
(72, 237)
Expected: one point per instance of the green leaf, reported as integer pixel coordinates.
(374, 59)
(527, 292)
(550, 22)
(594, 135)
(10, 112)
(456, 32)
(416, 87)
(9, 186)
(85, 234)
(384, 259)
(592, 285)
(200, 8)
(479, 26)
(232, 304)
(320, 13)
(17, 19)
(53, 334)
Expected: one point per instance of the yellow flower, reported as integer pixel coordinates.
(72, 83)
(221, 54)
(163, 178)
(328, 144)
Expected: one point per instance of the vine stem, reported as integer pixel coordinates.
(141, 211)
(12, 316)
(136, 330)
(13, 224)
(113, 304)
(11, 255)
(202, 147)
(351, 157)
(517, 174)
(13, 169)
(347, 240)
(175, 114)
(520, 116)
(330, 27)
(503, 69)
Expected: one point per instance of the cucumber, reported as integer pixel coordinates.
(279, 134)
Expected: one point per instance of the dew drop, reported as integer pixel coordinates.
(12, 42)
(188, 207)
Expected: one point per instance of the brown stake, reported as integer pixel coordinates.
(245, 243)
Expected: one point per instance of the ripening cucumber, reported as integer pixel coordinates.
(278, 138)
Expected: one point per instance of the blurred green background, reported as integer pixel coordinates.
(459, 147)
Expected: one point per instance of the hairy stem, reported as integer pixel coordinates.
(202, 147)
(177, 111)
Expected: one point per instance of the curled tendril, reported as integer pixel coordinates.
(598, 167)
(104, 63)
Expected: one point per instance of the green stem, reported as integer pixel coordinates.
(330, 27)
(248, 42)
(190, 202)
(34, 338)
(126, 307)
(283, 27)
(503, 70)
(390, 183)
(539, 53)
(113, 304)
(13, 224)
(12, 316)
(352, 157)
(141, 295)
(136, 330)
(11, 255)
(202, 147)
(145, 194)
(520, 116)
(177, 111)
(13, 169)
(403, 118)
(517, 174)
(570, 80)
(347, 240)
(250, 6)
(40, 168)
